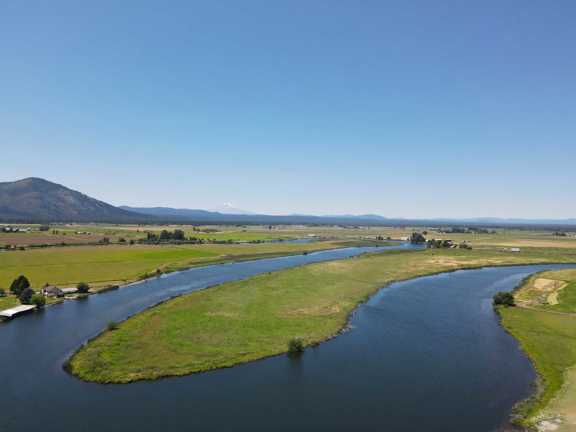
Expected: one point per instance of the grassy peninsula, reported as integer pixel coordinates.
(247, 320)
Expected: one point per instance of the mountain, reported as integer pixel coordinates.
(373, 217)
(38, 200)
(227, 208)
(509, 221)
(205, 216)
(169, 212)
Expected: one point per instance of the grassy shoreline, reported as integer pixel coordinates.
(548, 337)
(100, 287)
(252, 319)
(101, 265)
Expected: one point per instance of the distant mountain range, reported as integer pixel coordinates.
(38, 200)
(205, 216)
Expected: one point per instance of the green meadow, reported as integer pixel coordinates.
(102, 265)
(255, 318)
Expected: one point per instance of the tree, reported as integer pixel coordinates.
(38, 300)
(19, 284)
(83, 287)
(503, 298)
(26, 296)
(178, 235)
(2, 292)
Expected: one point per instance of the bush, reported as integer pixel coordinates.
(2, 292)
(295, 346)
(503, 299)
(83, 287)
(38, 300)
(112, 325)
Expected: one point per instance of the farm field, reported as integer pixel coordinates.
(114, 264)
(72, 234)
(545, 325)
(251, 319)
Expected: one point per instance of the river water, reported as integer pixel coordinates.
(422, 355)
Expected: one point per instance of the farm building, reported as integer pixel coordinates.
(52, 291)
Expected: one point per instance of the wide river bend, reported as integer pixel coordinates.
(422, 355)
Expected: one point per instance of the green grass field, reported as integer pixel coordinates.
(251, 319)
(547, 332)
(91, 233)
(8, 302)
(550, 341)
(102, 265)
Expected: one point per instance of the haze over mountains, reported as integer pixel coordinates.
(38, 200)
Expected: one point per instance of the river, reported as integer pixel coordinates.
(422, 355)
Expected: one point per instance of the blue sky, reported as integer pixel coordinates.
(402, 108)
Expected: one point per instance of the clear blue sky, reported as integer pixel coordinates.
(402, 108)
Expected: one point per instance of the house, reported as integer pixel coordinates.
(515, 249)
(52, 291)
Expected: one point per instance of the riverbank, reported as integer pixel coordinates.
(99, 287)
(248, 320)
(545, 325)
(101, 266)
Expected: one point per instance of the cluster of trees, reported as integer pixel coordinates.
(165, 235)
(466, 230)
(560, 234)
(179, 236)
(444, 244)
(503, 298)
(439, 244)
(20, 287)
(417, 238)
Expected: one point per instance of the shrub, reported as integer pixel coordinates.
(295, 346)
(2, 292)
(38, 300)
(112, 325)
(83, 287)
(503, 299)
